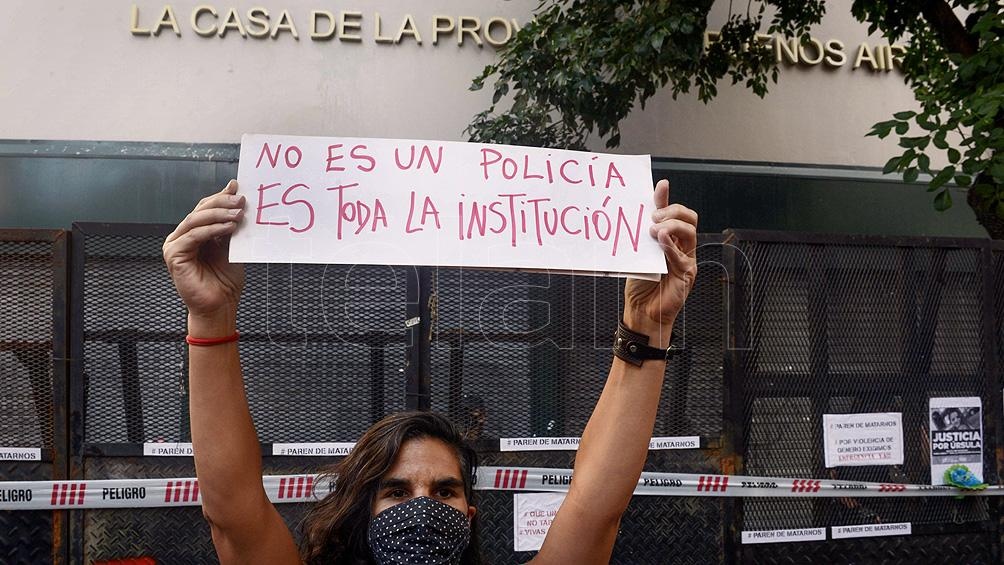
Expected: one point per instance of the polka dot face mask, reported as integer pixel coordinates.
(420, 531)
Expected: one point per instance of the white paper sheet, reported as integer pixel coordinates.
(411, 202)
(533, 513)
(855, 440)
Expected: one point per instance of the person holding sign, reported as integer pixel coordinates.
(404, 494)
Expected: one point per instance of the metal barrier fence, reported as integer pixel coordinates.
(838, 324)
(780, 329)
(33, 342)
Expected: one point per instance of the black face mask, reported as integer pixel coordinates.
(420, 531)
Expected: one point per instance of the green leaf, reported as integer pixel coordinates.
(924, 162)
(963, 180)
(983, 190)
(939, 140)
(926, 123)
(891, 165)
(953, 155)
(911, 174)
(943, 201)
(905, 115)
(941, 178)
(882, 129)
(902, 127)
(919, 142)
(997, 170)
(970, 166)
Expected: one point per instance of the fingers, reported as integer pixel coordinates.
(223, 206)
(674, 227)
(209, 216)
(661, 195)
(682, 234)
(665, 211)
(675, 211)
(226, 198)
(188, 243)
(678, 240)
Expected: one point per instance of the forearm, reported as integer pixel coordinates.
(227, 452)
(615, 442)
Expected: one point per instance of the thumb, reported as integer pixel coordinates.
(661, 195)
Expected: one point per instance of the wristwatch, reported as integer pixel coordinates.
(633, 347)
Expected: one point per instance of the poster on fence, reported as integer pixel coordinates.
(956, 427)
(411, 202)
(854, 440)
(532, 515)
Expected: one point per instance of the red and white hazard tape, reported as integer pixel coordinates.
(152, 493)
(680, 484)
(136, 493)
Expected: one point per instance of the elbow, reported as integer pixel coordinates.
(217, 520)
(611, 517)
(604, 512)
(227, 516)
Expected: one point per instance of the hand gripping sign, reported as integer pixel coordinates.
(405, 202)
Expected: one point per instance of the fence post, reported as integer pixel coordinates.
(991, 317)
(733, 396)
(76, 402)
(418, 383)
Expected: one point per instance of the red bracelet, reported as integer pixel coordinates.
(212, 340)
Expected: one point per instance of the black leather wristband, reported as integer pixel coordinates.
(633, 347)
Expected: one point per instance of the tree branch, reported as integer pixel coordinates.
(954, 36)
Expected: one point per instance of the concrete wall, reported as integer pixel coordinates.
(74, 70)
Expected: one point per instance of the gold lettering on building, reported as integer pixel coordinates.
(350, 21)
(258, 25)
(223, 22)
(830, 53)
(166, 20)
(441, 25)
(329, 18)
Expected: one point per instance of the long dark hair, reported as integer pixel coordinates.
(334, 531)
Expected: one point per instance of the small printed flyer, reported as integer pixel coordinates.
(854, 440)
(956, 426)
(533, 513)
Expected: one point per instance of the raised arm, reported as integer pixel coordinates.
(615, 443)
(245, 526)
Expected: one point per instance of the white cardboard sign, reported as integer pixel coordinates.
(410, 202)
(533, 513)
(855, 440)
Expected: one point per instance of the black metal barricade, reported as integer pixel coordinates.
(516, 355)
(844, 324)
(323, 350)
(780, 329)
(33, 333)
